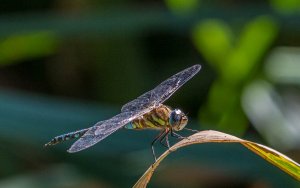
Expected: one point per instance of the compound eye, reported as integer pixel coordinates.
(175, 117)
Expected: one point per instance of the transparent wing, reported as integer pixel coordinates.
(130, 111)
(104, 128)
(163, 91)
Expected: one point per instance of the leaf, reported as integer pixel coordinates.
(19, 47)
(281, 161)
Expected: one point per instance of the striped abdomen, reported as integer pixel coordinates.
(68, 136)
(158, 118)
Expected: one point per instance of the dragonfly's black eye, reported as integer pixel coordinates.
(177, 119)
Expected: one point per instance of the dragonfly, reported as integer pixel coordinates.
(145, 112)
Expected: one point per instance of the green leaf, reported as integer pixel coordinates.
(278, 159)
(27, 46)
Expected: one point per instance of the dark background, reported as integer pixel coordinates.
(65, 65)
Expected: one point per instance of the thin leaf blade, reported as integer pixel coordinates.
(276, 158)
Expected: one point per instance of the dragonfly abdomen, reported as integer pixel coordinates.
(68, 136)
(156, 119)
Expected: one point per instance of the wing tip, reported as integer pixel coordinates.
(73, 149)
(197, 66)
(76, 147)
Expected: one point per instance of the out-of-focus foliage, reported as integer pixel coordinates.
(20, 47)
(235, 60)
(261, 99)
(286, 6)
(183, 6)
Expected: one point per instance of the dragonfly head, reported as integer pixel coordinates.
(178, 120)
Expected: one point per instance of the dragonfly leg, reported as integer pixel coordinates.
(165, 137)
(153, 142)
(191, 130)
(176, 135)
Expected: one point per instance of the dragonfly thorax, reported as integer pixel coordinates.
(177, 120)
(162, 117)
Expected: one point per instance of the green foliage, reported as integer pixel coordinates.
(235, 60)
(20, 47)
(183, 6)
(286, 6)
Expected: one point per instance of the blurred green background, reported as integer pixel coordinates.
(67, 64)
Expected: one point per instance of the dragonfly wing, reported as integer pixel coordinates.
(130, 111)
(105, 128)
(163, 91)
(143, 101)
